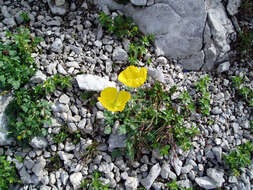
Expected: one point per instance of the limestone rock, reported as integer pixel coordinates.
(153, 174)
(93, 83)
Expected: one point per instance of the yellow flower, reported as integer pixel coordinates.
(113, 100)
(133, 76)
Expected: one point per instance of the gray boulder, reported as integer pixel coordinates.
(4, 101)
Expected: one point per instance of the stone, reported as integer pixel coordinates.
(66, 157)
(93, 83)
(28, 163)
(131, 183)
(57, 10)
(139, 2)
(217, 151)
(64, 99)
(58, 107)
(64, 177)
(233, 6)
(193, 62)
(4, 140)
(153, 174)
(10, 22)
(119, 54)
(220, 25)
(18, 17)
(25, 176)
(39, 166)
(216, 175)
(186, 169)
(206, 182)
(166, 172)
(75, 179)
(177, 165)
(57, 45)
(5, 12)
(59, 2)
(39, 77)
(223, 67)
(156, 74)
(39, 142)
(117, 141)
(216, 110)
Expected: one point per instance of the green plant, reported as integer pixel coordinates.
(65, 133)
(121, 26)
(150, 120)
(174, 186)
(55, 163)
(242, 90)
(25, 17)
(244, 44)
(28, 112)
(94, 182)
(16, 62)
(239, 158)
(8, 173)
(203, 103)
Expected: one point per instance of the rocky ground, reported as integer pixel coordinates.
(76, 43)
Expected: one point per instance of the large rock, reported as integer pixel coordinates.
(153, 174)
(4, 101)
(180, 28)
(93, 83)
(58, 7)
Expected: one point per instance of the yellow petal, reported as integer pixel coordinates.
(133, 76)
(112, 100)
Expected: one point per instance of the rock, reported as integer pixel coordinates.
(59, 2)
(182, 37)
(28, 163)
(232, 6)
(153, 174)
(167, 173)
(177, 165)
(4, 140)
(39, 77)
(10, 22)
(93, 83)
(220, 25)
(64, 177)
(216, 110)
(57, 45)
(206, 182)
(193, 62)
(66, 157)
(156, 74)
(185, 183)
(57, 10)
(39, 166)
(58, 107)
(25, 176)
(131, 183)
(223, 67)
(64, 99)
(186, 169)
(119, 54)
(39, 142)
(19, 19)
(5, 12)
(75, 179)
(139, 2)
(217, 151)
(216, 175)
(117, 141)
(44, 187)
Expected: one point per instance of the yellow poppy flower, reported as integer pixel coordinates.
(133, 76)
(113, 100)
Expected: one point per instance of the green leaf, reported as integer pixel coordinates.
(108, 130)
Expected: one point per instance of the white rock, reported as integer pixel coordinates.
(64, 99)
(153, 174)
(119, 54)
(93, 83)
(156, 74)
(75, 179)
(59, 2)
(39, 142)
(57, 45)
(139, 2)
(39, 166)
(216, 175)
(206, 182)
(131, 183)
(232, 6)
(39, 77)
(61, 70)
(223, 67)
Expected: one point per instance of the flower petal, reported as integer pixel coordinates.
(133, 76)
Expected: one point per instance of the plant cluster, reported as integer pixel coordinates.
(243, 91)
(174, 186)
(239, 158)
(16, 63)
(123, 27)
(55, 163)
(94, 183)
(203, 102)
(65, 133)
(28, 112)
(8, 173)
(152, 120)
